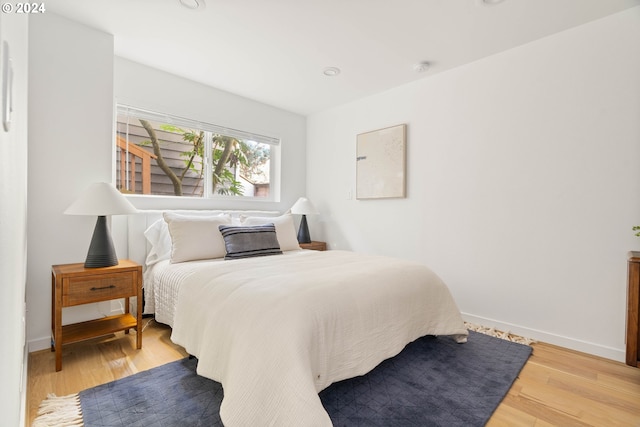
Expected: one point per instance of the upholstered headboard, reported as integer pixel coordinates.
(136, 243)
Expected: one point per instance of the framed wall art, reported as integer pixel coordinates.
(381, 163)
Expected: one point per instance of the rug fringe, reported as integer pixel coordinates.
(499, 334)
(59, 411)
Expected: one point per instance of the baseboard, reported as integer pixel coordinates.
(38, 344)
(559, 340)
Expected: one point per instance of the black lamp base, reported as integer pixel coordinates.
(303, 231)
(101, 251)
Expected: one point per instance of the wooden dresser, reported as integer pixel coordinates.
(633, 307)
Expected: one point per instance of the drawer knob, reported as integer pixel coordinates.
(103, 287)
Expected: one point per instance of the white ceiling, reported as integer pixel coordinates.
(274, 51)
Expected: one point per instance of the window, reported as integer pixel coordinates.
(159, 154)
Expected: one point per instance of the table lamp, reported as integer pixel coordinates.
(303, 207)
(101, 199)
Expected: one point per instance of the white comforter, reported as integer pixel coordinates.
(277, 330)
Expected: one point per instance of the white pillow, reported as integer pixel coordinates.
(196, 237)
(285, 229)
(160, 240)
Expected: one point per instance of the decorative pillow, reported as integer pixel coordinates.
(195, 237)
(285, 229)
(246, 242)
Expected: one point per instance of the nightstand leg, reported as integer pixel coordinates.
(139, 321)
(57, 332)
(126, 311)
(58, 357)
(53, 311)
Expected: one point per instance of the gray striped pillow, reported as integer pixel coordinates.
(246, 242)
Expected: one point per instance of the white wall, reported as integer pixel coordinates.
(155, 90)
(70, 146)
(74, 79)
(13, 228)
(523, 182)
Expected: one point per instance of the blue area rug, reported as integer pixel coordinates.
(432, 382)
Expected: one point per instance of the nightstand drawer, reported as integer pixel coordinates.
(86, 289)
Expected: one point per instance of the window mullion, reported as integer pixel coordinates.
(127, 174)
(208, 165)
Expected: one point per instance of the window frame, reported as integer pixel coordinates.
(275, 144)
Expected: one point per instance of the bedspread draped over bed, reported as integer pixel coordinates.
(277, 330)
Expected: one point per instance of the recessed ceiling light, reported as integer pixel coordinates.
(490, 2)
(192, 4)
(421, 67)
(331, 71)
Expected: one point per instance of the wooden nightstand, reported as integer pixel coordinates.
(72, 284)
(316, 246)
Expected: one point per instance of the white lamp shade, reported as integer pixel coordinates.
(101, 198)
(303, 207)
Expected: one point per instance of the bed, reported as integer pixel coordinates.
(275, 330)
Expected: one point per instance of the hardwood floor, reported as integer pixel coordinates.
(561, 387)
(97, 361)
(557, 387)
